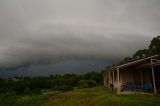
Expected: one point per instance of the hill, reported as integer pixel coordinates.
(96, 96)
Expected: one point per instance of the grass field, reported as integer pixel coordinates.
(97, 96)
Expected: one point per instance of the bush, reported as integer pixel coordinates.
(86, 83)
(64, 88)
(37, 91)
(27, 92)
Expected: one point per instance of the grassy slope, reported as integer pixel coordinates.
(97, 96)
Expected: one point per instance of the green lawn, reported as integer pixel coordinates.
(97, 96)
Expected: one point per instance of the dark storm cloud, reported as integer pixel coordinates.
(63, 67)
(48, 31)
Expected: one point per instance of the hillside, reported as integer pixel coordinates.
(97, 96)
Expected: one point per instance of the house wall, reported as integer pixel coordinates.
(130, 76)
(134, 75)
(147, 76)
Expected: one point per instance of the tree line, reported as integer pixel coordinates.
(37, 85)
(153, 49)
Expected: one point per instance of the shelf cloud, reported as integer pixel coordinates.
(38, 32)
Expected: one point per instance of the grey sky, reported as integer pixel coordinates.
(49, 31)
(63, 67)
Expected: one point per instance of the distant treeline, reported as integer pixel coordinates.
(153, 49)
(36, 85)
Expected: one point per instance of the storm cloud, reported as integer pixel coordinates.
(35, 32)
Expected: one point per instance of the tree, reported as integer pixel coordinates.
(141, 54)
(154, 47)
(125, 60)
(86, 83)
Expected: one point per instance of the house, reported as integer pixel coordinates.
(139, 76)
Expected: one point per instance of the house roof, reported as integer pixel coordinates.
(131, 63)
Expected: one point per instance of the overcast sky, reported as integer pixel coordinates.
(35, 33)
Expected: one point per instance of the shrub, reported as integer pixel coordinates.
(86, 83)
(37, 91)
(27, 92)
(63, 88)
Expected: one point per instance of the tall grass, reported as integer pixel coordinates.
(15, 100)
